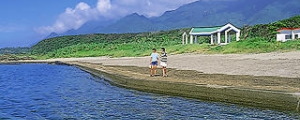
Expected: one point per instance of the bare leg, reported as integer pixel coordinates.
(154, 70)
(151, 71)
(164, 71)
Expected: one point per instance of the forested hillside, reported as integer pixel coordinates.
(269, 31)
(108, 42)
(255, 39)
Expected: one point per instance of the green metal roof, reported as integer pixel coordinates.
(205, 29)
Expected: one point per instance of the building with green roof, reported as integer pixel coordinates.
(218, 35)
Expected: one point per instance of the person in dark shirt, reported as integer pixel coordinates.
(163, 61)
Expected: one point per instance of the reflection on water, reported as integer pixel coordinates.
(42, 91)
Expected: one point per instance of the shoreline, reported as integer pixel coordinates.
(264, 64)
(267, 92)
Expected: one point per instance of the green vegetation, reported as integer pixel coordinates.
(116, 45)
(253, 45)
(269, 31)
(257, 45)
(13, 54)
(255, 39)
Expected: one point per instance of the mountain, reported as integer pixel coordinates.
(132, 24)
(213, 12)
(90, 27)
(200, 13)
(52, 35)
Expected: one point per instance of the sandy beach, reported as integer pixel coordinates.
(265, 64)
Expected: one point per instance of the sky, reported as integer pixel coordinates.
(25, 22)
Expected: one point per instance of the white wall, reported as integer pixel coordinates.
(281, 37)
(282, 34)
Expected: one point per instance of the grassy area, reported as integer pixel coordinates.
(253, 45)
(257, 45)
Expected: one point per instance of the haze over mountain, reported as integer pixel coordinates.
(200, 13)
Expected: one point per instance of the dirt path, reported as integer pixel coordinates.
(266, 64)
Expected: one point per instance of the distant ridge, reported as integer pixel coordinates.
(52, 35)
(199, 13)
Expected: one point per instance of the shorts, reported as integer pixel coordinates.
(163, 64)
(155, 63)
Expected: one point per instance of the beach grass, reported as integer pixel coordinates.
(136, 49)
(257, 45)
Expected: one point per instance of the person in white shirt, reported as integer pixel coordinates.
(153, 62)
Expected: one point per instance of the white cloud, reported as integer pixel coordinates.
(103, 6)
(74, 18)
(70, 19)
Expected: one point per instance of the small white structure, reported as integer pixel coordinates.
(285, 34)
(184, 38)
(218, 35)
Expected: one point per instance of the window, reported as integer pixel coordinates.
(296, 36)
(287, 37)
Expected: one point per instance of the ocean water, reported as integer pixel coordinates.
(55, 92)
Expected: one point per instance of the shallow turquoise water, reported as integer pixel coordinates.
(43, 91)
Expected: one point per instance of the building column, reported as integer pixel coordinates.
(293, 35)
(186, 39)
(219, 37)
(183, 40)
(226, 37)
(238, 36)
(191, 39)
(212, 39)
